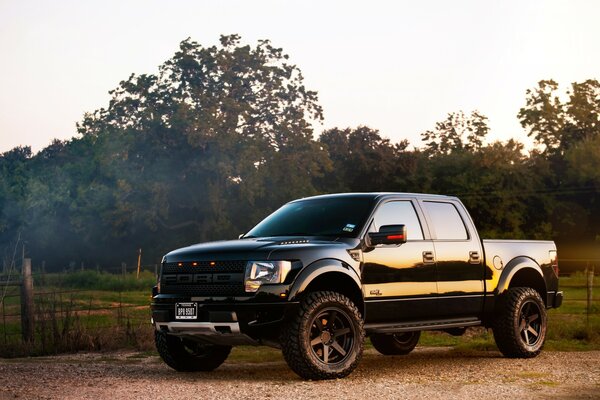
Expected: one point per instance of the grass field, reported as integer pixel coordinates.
(94, 311)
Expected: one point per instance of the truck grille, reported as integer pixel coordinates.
(204, 278)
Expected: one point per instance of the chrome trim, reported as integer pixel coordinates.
(208, 332)
(199, 327)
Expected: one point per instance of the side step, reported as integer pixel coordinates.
(433, 325)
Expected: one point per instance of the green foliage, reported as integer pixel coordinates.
(559, 125)
(457, 133)
(223, 135)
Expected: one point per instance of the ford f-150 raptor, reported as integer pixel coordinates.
(321, 273)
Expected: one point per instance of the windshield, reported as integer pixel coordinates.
(339, 217)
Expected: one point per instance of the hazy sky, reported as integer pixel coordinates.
(397, 66)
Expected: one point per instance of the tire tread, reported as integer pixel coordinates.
(506, 336)
(295, 356)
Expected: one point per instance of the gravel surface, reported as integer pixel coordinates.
(427, 373)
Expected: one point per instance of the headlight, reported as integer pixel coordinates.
(260, 272)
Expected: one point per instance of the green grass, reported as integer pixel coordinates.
(101, 319)
(94, 280)
(568, 326)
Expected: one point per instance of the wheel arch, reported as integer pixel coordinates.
(522, 272)
(329, 274)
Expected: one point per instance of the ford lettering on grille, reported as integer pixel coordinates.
(201, 278)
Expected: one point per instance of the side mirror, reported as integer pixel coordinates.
(388, 234)
(241, 235)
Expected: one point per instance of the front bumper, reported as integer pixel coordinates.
(221, 333)
(223, 322)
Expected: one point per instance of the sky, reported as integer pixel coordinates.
(396, 66)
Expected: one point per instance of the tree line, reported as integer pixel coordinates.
(223, 135)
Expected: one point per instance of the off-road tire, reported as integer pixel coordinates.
(186, 356)
(520, 323)
(395, 344)
(340, 325)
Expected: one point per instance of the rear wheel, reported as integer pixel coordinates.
(325, 339)
(520, 325)
(396, 343)
(186, 355)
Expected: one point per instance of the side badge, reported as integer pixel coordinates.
(375, 292)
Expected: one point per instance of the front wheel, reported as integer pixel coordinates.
(185, 355)
(325, 339)
(396, 343)
(520, 324)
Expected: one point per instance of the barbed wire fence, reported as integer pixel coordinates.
(43, 313)
(61, 317)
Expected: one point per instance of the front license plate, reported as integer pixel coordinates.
(186, 310)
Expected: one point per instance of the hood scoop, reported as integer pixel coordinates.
(297, 241)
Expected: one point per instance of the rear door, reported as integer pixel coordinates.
(459, 258)
(399, 281)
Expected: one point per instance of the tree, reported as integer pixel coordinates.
(362, 159)
(458, 132)
(557, 126)
(14, 180)
(219, 136)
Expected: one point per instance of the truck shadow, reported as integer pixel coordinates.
(433, 359)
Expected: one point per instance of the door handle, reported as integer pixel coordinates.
(428, 257)
(474, 257)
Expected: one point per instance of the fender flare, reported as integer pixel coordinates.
(317, 269)
(515, 265)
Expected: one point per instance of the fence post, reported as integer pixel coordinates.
(156, 271)
(139, 264)
(123, 268)
(590, 284)
(27, 316)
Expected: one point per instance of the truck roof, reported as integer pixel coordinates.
(380, 195)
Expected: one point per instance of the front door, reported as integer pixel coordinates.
(399, 281)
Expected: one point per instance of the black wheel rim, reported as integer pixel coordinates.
(403, 338)
(331, 336)
(530, 323)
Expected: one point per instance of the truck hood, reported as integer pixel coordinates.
(258, 249)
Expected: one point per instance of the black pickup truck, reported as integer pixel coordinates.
(320, 274)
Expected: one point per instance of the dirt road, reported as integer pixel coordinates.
(427, 373)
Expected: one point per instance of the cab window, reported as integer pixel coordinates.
(446, 220)
(398, 212)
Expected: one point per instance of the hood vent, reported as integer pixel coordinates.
(299, 241)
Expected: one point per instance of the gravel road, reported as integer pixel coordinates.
(427, 373)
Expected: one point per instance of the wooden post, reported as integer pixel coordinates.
(123, 268)
(590, 284)
(27, 317)
(139, 263)
(4, 321)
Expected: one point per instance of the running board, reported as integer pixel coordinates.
(394, 327)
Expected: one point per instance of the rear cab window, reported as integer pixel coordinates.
(446, 220)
